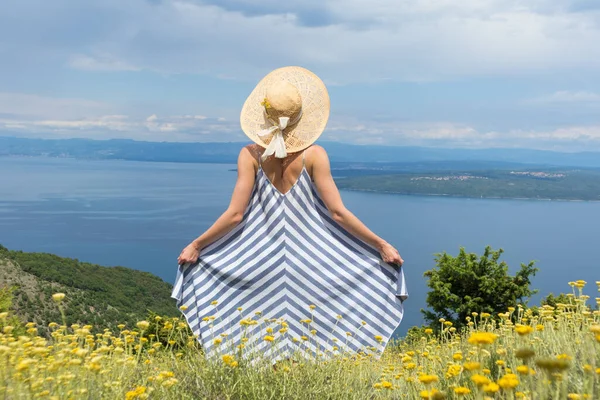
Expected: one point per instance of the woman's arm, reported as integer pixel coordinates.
(321, 174)
(234, 213)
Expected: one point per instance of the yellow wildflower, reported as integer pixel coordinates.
(143, 325)
(58, 297)
(472, 366)
(269, 338)
(508, 381)
(523, 370)
(564, 357)
(138, 392)
(428, 394)
(491, 387)
(462, 391)
(480, 380)
(482, 338)
(428, 379)
(453, 370)
(523, 330)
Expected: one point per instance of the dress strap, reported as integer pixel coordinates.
(303, 153)
(259, 161)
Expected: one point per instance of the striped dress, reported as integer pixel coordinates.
(289, 280)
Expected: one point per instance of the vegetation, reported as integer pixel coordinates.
(492, 346)
(518, 355)
(499, 183)
(470, 283)
(100, 296)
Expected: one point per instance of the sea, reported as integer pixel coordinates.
(141, 214)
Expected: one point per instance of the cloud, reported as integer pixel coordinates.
(142, 58)
(398, 133)
(447, 134)
(29, 105)
(104, 63)
(566, 96)
(344, 41)
(153, 128)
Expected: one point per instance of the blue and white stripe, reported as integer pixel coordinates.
(286, 254)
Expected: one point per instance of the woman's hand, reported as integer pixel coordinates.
(189, 254)
(389, 254)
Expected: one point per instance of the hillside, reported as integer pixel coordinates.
(555, 184)
(95, 295)
(215, 152)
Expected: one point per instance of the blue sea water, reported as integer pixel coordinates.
(140, 215)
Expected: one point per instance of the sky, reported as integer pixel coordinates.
(437, 73)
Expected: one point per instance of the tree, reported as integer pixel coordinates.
(553, 300)
(468, 283)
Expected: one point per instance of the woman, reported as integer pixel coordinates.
(287, 266)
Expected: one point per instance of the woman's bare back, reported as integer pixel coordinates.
(283, 173)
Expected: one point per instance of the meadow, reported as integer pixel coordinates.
(523, 353)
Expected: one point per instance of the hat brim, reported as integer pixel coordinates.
(315, 109)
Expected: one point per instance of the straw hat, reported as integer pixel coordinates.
(286, 112)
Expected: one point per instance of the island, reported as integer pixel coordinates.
(548, 184)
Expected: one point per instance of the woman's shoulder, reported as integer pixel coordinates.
(316, 150)
(253, 150)
(315, 153)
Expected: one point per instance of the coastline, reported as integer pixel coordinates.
(466, 197)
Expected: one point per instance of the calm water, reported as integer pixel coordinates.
(141, 215)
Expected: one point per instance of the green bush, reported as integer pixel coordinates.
(470, 283)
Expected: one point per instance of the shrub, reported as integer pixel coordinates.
(470, 283)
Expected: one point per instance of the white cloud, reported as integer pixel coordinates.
(398, 133)
(441, 134)
(153, 128)
(111, 122)
(566, 96)
(344, 41)
(103, 63)
(28, 105)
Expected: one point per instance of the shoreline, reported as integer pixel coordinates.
(464, 197)
(457, 196)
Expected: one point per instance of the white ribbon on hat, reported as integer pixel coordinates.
(277, 144)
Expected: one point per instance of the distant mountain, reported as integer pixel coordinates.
(95, 295)
(227, 152)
